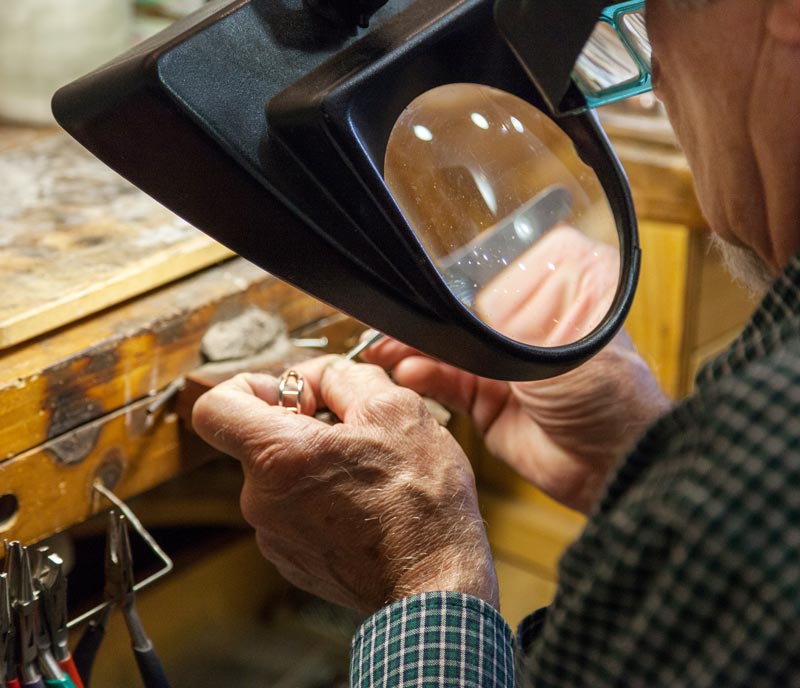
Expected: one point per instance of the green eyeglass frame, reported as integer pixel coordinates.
(629, 30)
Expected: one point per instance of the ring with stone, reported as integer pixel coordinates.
(290, 391)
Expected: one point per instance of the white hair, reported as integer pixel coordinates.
(743, 265)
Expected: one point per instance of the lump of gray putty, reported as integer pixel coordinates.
(246, 335)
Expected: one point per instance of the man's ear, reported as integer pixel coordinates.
(783, 21)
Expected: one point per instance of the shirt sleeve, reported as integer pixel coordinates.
(434, 639)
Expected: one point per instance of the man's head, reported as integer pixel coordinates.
(728, 72)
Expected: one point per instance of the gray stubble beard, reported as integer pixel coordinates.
(743, 265)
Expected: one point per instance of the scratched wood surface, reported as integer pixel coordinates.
(76, 238)
(103, 363)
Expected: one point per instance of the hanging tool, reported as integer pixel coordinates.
(119, 592)
(51, 671)
(26, 615)
(12, 566)
(26, 642)
(6, 633)
(52, 585)
(89, 643)
(119, 589)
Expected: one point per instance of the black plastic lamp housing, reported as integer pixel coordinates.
(265, 125)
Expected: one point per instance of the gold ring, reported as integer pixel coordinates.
(290, 391)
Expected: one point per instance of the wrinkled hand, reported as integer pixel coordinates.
(363, 512)
(565, 434)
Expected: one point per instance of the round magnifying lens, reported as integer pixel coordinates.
(517, 225)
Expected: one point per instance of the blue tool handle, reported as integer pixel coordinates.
(150, 668)
(37, 683)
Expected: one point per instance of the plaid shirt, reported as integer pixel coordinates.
(687, 573)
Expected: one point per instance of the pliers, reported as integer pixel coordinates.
(119, 592)
(6, 636)
(52, 584)
(26, 612)
(38, 665)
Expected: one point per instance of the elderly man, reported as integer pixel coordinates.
(688, 571)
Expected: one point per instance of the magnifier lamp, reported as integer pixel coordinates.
(430, 167)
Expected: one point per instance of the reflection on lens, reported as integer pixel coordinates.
(635, 31)
(472, 267)
(516, 223)
(605, 61)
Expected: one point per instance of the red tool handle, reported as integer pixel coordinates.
(12, 683)
(68, 666)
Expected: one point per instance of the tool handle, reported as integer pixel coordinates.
(86, 650)
(65, 682)
(12, 683)
(150, 668)
(36, 683)
(68, 666)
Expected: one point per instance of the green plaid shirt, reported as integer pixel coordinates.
(688, 572)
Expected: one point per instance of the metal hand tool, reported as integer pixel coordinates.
(52, 584)
(6, 630)
(52, 673)
(12, 566)
(119, 589)
(369, 338)
(26, 614)
(89, 644)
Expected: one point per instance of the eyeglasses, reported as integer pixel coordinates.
(616, 62)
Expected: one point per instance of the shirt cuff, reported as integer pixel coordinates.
(434, 639)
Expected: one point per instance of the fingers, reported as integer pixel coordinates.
(457, 390)
(350, 389)
(563, 292)
(387, 353)
(344, 387)
(446, 384)
(240, 416)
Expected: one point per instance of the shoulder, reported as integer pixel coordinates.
(716, 481)
(688, 571)
(745, 422)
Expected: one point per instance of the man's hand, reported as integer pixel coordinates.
(364, 512)
(564, 434)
